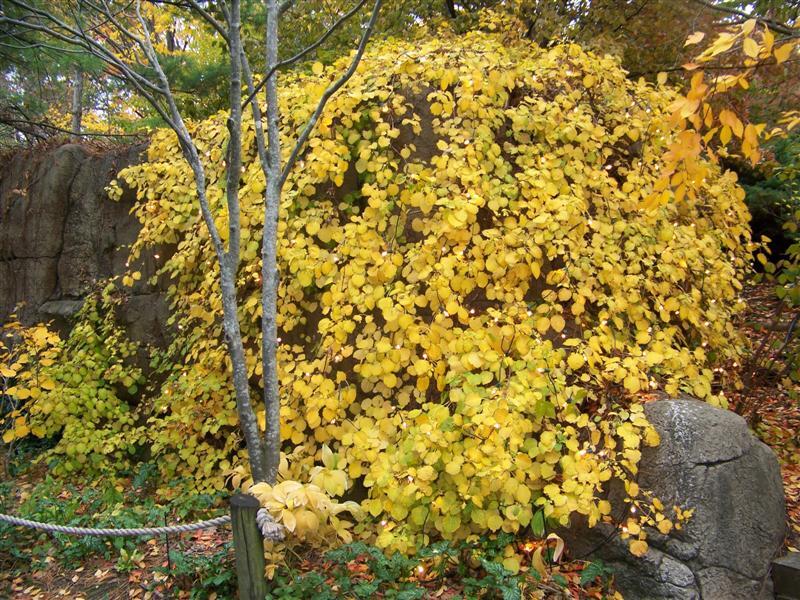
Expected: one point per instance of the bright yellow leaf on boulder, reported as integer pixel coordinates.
(638, 547)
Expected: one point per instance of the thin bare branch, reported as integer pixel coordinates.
(332, 89)
(234, 125)
(75, 38)
(209, 18)
(306, 51)
(774, 25)
(56, 129)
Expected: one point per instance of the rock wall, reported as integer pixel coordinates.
(60, 235)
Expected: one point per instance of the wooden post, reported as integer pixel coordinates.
(248, 546)
(786, 577)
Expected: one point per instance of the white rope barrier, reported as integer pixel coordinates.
(130, 532)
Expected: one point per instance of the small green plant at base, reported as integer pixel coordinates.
(498, 581)
(109, 505)
(129, 560)
(204, 575)
(594, 570)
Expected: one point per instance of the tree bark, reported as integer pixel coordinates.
(76, 110)
(275, 177)
(229, 262)
(270, 277)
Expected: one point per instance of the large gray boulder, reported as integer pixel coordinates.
(60, 236)
(708, 460)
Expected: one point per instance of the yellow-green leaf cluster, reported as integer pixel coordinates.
(78, 388)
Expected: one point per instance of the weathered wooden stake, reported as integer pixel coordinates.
(786, 577)
(249, 548)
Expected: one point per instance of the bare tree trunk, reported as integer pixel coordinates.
(270, 277)
(77, 103)
(276, 175)
(229, 263)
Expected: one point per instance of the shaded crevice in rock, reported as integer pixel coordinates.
(716, 463)
(64, 225)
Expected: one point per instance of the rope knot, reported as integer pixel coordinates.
(272, 531)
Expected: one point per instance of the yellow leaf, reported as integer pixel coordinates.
(494, 521)
(451, 523)
(426, 473)
(695, 38)
(651, 437)
(632, 384)
(769, 40)
(575, 361)
(289, 520)
(750, 47)
(725, 135)
(307, 521)
(305, 278)
(661, 78)
(782, 53)
(327, 456)
(312, 228)
(317, 68)
(512, 563)
(542, 324)
(729, 119)
(638, 547)
(538, 564)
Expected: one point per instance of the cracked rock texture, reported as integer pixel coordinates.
(60, 235)
(709, 460)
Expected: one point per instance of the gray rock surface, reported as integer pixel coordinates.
(709, 460)
(60, 234)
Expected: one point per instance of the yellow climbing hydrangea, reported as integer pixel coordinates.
(473, 295)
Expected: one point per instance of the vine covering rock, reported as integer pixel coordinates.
(473, 297)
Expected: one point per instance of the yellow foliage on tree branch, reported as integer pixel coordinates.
(729, 62)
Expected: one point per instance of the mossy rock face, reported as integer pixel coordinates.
(472, 293)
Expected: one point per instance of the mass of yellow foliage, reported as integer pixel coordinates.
(473, 293)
